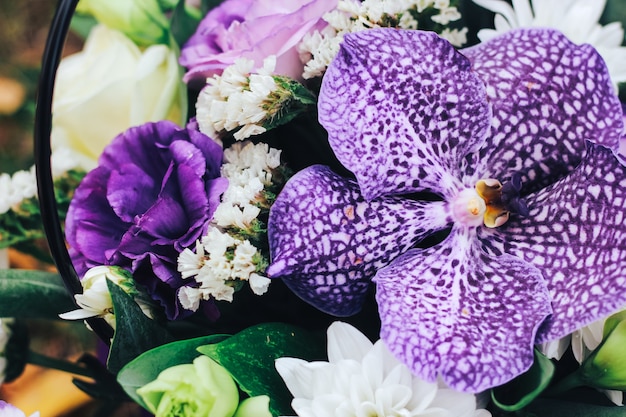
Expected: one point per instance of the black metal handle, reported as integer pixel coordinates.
(45, 186)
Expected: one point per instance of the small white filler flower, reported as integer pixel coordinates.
(364, 379)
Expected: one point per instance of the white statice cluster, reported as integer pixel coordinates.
(237, 100)
(319, 48)
(222, 260)
(22, 185)
(219, 262)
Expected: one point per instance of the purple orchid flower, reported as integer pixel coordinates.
(153, 193)
(533, 210)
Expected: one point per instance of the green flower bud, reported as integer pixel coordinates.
(201, 389)
(254, 407)
(141, 20)
(605, 368)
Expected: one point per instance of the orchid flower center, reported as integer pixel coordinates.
(490, 190)
(489, 203)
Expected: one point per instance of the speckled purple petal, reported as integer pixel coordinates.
(576, 234)
(327, 242)
(548, 96)
(454, 311)
(402, 109)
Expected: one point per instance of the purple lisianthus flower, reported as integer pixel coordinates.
(152, 195)
(8, 410)
(252, 29)
(534, 212)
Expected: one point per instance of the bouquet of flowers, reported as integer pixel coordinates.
(338, 207)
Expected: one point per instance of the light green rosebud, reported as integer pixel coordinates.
(258, 406)
(141, 20)
(605, 368)
(201, 389)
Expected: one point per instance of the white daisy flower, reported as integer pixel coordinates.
(577, 19)
(364, 379)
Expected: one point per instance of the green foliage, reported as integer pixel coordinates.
(147, 366)
(207, 5)
(184, 22)
(135, 333)
(250, 354)
(521, 391)
(33, 294)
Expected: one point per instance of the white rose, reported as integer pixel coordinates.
(110, 86)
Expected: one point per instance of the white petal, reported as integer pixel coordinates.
(346, 342)
(79, 314)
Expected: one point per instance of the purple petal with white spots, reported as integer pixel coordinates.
(576, 234)
(327, 241)
(402, 109)
(549, 96)
(454, 311)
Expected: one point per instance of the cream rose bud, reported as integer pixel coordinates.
(95, 301)
(141, 20)
(110, 86)
(201, 389)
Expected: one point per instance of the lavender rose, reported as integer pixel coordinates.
(154, 190)
(253, 29)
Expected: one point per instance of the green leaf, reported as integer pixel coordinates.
(33, 294)
(135, 333)
(250, 354)
(558, 408)
(184, 22)
(207, 5)
(521, 391)
(147, 366)
(82, 24)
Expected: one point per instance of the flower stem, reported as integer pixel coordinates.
(58, 364)
(570, 382)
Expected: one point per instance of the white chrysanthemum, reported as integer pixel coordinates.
(364, 379)
(577, 19)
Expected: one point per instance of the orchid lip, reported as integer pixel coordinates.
(500, 200)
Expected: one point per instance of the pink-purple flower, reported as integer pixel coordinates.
(508, 150)
(252, 29)
(152, 195)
